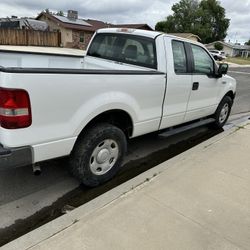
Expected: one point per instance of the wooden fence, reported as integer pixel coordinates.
(29, 37)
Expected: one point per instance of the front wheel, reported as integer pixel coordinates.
(98, 154)
(223, 111)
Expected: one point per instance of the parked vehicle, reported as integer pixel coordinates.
(218, 55)
(131, 82)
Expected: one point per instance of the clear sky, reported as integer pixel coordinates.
(130, 11)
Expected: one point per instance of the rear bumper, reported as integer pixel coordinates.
(15, 157)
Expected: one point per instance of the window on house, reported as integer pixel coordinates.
(81, 37)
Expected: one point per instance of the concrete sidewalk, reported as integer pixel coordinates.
(198, 200)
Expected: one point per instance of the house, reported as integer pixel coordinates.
(231, 49)
(189, 36)
(75, 32)
(22, 23)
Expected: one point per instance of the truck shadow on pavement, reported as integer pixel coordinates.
(82, 194)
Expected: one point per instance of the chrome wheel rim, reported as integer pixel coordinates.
(224, 113)
(104, 157)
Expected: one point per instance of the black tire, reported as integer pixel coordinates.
(98, 154)
(215, 58)
(222, 112)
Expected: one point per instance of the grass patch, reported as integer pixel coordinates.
(238, 60)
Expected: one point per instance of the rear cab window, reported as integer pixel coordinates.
(130, 49)
(179, 56)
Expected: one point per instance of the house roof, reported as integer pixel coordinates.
(98, 24)
(231, 45)
(133, 26)
(65, 19)
(88, 24)
(185, 35)
(68, 23)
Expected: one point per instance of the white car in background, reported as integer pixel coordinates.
(218, 55)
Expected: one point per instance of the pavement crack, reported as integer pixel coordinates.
(59, 231)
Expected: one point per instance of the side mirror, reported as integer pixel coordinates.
(222, 70)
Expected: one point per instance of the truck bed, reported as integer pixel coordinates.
(47, 57)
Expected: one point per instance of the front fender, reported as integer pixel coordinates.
(229, 85)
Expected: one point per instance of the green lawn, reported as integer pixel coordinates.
(238, 60)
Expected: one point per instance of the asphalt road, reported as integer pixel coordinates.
(23, 194)
(242, 100)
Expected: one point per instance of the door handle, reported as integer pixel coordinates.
(195, 85)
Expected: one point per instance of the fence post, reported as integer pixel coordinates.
(59, 38)
(26, 37)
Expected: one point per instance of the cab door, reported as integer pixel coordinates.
(205, 86)
(178, 83)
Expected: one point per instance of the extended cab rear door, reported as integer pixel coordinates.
(179, 83)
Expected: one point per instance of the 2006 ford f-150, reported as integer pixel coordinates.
(131, 82)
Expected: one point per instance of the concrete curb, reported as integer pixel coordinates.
(54, 227)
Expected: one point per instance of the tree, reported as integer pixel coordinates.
(214, 14)
(248, 42)
(185, 15)
(218, 46)
(47, 11)
(60, 13)
(167, 25)
(205, 19)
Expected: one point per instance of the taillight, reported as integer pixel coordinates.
(15, 111)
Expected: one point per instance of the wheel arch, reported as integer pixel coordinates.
(228, 97)
(116, 117)
(231, 94)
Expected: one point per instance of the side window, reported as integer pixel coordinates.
(203, 64)
(179, 55)
(81, 40)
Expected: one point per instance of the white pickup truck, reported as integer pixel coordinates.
(131, 82)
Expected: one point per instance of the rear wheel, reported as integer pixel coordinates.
(223, 111)
(98, 154)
